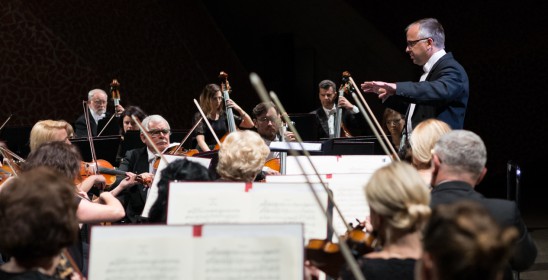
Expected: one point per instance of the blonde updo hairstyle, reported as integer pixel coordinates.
(242, 156)
(397, 194)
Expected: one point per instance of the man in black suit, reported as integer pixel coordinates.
(141, 161)
(98, 116)
(459, 159)
(326, 114)
(442, 91)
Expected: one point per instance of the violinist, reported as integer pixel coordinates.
(99, 117)
(399, 208)
(141, 161)
(326, 114)
(268, 122)
(45, 131)
(211, 102)
(66, 161)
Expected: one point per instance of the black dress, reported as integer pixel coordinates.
(28, 275)
(383, 269)
(220, 126)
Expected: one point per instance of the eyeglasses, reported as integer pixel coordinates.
(393, 122)
(99, 102)
(411, 44)
(267, 119)
(157, 132)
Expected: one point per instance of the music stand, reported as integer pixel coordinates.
(132, 140)
(106, 147)
(306, 124)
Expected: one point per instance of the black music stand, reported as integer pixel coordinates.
(106, 147)
(306, 125)
(132, 140)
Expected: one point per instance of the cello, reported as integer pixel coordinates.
(115, 93)
(339, 124)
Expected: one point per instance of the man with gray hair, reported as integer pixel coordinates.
(459, 159)
(141, 161)
(98, 116)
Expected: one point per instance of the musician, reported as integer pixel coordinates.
(126, 124)
(98, 116)
(50, 130)
(45, 131)
(37, 221)
(268, 122)
(463, 241)
(211, 103)
(242, 156)
(459, 159)
(394, 122)
(141, 161)
(65, 160)
(424, 136)
(326, 114)
(399, 208)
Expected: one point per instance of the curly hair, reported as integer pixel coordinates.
(465, 242)
(397, 193)
(37, 216)
(242, 156)
(179, 170)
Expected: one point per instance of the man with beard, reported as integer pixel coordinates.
(98, 116)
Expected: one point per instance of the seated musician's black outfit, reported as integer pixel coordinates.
(134, 197)
(80, 128)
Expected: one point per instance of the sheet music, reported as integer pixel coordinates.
(348, 193)
(335, 164)
(153, 192)
(222, 202)
(244, 251)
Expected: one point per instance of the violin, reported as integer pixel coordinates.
(108, 171)
(326, 255)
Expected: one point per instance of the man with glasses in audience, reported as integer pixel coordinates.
(442, 91)
(141, 161)
(98, 116)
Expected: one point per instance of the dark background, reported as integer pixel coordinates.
(163, 53)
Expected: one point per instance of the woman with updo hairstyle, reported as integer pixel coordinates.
(399, 208)
(462, 241)
(242, 156)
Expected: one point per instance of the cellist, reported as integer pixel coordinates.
(211, 102)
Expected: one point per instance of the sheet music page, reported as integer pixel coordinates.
(260, 251)
(239, 251)
(222, 202)
(207, 202)
(153, 192)
(140, 252)
(361, 163)
(348, 193)
(323, 164)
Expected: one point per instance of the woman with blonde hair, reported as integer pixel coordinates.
(399, 209)
(242, 156)
(423, 138)
(50, 130)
